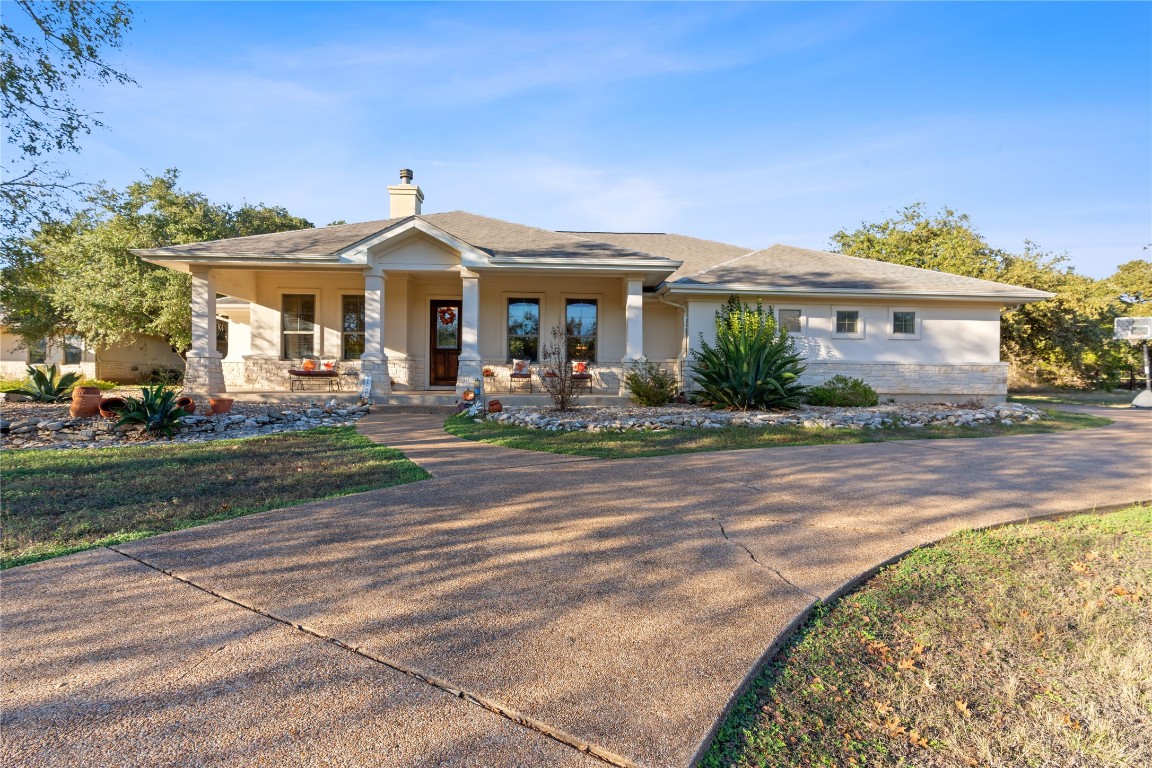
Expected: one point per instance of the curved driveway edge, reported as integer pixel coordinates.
(616, 605)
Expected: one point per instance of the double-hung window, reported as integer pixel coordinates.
(524, 329)
(580, 324)
(352, 327)
(298, 324)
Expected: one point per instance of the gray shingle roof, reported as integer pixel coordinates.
(696, 254)
(501, 239)
(786, 268)
(706, 264)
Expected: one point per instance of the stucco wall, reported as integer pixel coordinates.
(124, 362)
(955, 355)
(948, 333)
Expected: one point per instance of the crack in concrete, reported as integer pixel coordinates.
(752, 555)
(530, 723)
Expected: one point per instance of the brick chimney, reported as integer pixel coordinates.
(404, 198)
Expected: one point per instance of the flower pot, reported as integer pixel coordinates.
(219, 405)
(495, 406)
(112, 406)
(84, 406)
(81, 391)
(187, 403)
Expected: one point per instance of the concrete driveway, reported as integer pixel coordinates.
(518, 609)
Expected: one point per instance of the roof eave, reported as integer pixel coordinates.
(842, 293)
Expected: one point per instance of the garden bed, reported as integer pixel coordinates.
(48, 425)
(640, 418)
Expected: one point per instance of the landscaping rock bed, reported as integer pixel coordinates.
(638, 418)
(48, 425)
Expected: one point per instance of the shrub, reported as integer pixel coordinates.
(754, 363)
(650, 384)
(843, 392)
(163, 376)
(44, 386)
(157, 410)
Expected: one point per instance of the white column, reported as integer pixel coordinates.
(203, 313)
(470, 317)
(634, 318)
(469, 368)
(203, 372)
(373, 317)
(373, 362)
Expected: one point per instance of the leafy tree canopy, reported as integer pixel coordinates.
(1064, 340)
(78, 276)
(59, 43)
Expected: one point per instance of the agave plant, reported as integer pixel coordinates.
(157, 410)
(754, 363)
(45, 387)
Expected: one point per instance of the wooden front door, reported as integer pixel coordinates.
(444, 354)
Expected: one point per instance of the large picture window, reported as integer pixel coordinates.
(298, 321)
(580, 323)
(352, 327)
(524, 329)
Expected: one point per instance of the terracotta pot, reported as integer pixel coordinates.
(219, 405)
(495, 406)
(111, 406)
(84, 406)
(80, 391)
(187, 403)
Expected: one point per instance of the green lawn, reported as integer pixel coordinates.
(620, 445)
(57, 502)
(1027, 645)
(1117, 397)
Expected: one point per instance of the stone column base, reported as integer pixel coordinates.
(204, 375)
(466, 374)
(378, 370)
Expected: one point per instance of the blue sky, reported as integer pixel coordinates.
(748, 123)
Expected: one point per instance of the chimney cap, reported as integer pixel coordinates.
(405, 175)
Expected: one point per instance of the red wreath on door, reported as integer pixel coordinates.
(447, 315)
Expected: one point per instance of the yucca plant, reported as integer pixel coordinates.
(754, 363)
(157, 410)
(45, 387)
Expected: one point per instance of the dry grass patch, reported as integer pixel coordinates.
(1022, 646)
(58, 502)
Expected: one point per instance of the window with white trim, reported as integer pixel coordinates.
(903, 324)
(298, 325)
(847, 322)
(580, 324)
(524, 329)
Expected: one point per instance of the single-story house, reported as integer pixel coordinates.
(126, 362)
(427, 301)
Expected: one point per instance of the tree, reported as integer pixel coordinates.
(79, 276)
(65, 44)
(1064, 340)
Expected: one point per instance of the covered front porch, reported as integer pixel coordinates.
(421, 319)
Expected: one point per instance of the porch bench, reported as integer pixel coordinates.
(300, 379)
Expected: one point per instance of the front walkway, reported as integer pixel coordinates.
(518, 609)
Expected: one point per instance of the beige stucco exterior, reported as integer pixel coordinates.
(125, 362)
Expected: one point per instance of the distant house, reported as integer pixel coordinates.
(125, 362)
(426, 301)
